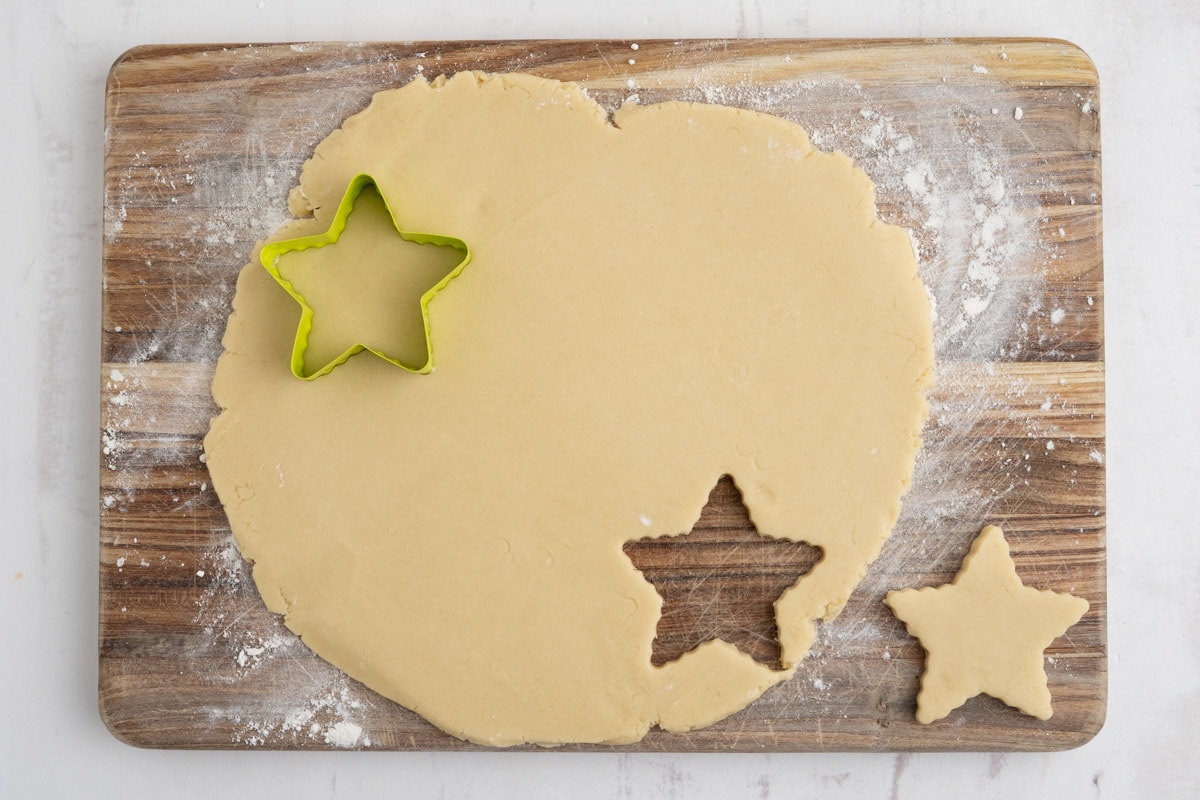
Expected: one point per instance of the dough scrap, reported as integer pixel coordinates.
(656, 300)
(984, 632)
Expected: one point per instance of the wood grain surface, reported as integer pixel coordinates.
(988, 150)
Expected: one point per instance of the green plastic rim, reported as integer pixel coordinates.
(270, 260)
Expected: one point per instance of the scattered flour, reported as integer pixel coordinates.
(343, 734)
(156, 401)
(325, 716)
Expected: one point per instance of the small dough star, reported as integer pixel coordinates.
(363, 285)
(985, 632)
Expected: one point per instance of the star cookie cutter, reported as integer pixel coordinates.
(270, 260)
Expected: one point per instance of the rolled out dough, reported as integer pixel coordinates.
(680, 292)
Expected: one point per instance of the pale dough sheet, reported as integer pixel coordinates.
(683, 292)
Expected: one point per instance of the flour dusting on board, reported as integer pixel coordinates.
(232, 186)
(324, 714)
(971, 230)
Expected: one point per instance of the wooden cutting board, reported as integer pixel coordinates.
(988, 150)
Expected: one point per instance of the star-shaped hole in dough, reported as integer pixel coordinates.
(985, 632)
(721, 580)
(364, 284)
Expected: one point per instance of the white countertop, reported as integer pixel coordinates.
(56, 56)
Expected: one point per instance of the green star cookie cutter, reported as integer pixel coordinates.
(270, 260)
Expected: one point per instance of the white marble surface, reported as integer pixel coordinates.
(55, 56)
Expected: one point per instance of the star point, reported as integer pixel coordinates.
(985, 632)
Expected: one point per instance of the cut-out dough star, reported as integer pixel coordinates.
(985, 632)
(364, 284)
